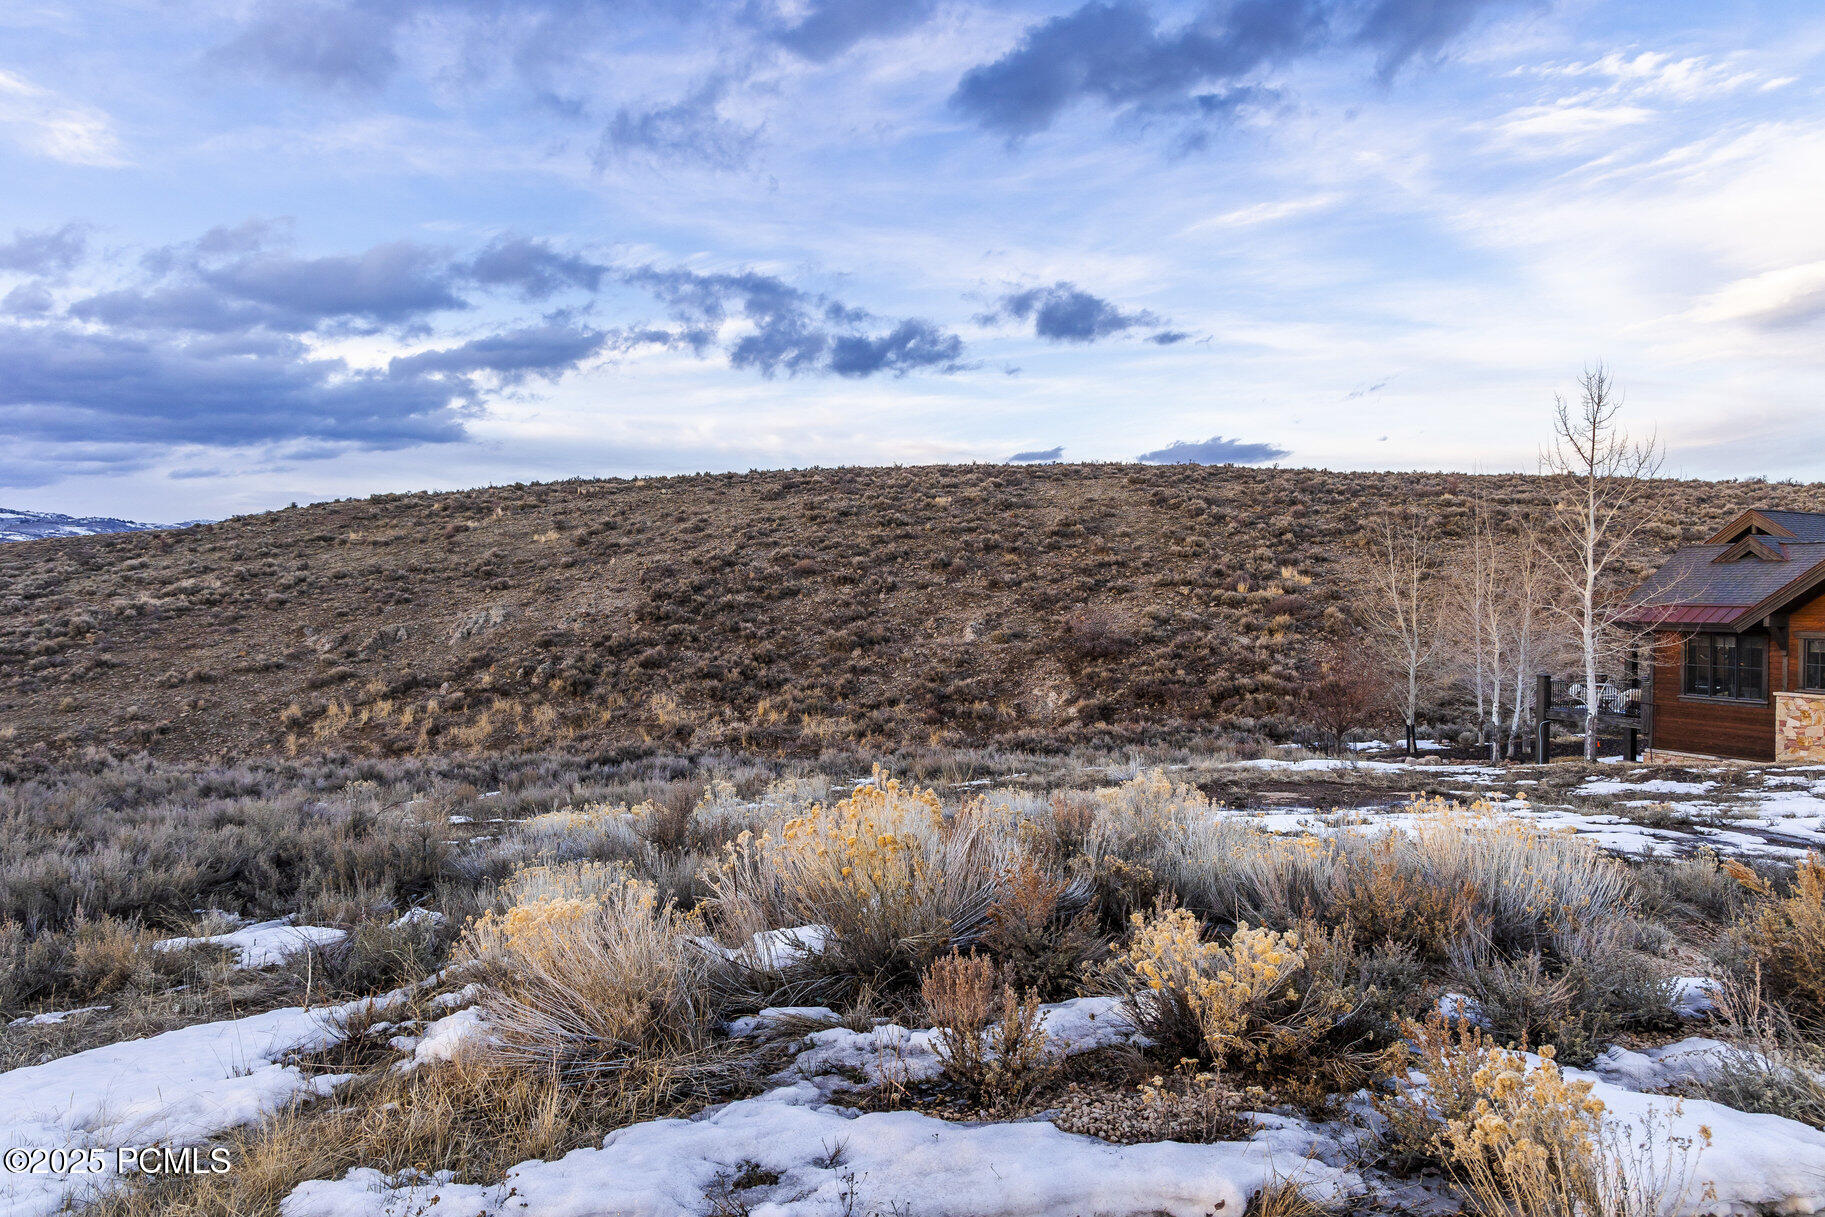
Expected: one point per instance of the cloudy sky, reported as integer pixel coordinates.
(258, 251)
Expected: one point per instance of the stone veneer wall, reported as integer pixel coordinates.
(1799, 727)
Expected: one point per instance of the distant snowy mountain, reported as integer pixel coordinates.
(16, 525)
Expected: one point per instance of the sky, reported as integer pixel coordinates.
(255, 252)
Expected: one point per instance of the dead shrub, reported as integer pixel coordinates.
(1042, 931)
(989, 1035)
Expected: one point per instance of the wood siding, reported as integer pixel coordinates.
(1807, 620)
(1707, 725)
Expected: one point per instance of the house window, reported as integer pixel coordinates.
(1812, 668)
(1725, 665)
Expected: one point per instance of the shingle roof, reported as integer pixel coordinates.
(1691, 584)
(1804, 525)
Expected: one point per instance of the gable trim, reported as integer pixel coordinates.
(1740, 527)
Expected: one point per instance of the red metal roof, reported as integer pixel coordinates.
(1687, 614)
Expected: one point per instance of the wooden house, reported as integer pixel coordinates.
(1738, 642)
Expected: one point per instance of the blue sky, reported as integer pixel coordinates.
(260, 252)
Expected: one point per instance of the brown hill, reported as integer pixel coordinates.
(781, 611)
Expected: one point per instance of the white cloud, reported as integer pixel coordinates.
(1566, 121)
(1787, 296)
(42, 122)
(1687, 79)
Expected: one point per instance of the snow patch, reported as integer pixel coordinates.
(773, 950)
(891, 1053)
(1695, 996)
(813, 1159)
(263, 945)
(178, 1088)
(52, 1017)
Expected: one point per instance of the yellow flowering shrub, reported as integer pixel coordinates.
(1520, 1139)
(1529, 1143)
(892, 879)
(1783, 936)
(1251, 1003)
(587, 964)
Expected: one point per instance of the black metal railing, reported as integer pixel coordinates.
(1564, 701)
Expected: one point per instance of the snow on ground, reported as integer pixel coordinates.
(1601, 786)
(774, 950)
(1321, 764)
(796, 1151)
(891, 1053)
(1695, 996)
(1612, 832)
(1753, 1164)
(1783, 818)
(446, 1038)
(50, 1017)
(263, 944)
(1666, 1066)
(174, 1089)
(809, 1158)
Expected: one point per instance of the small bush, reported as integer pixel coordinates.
(1521, 1140)
(93, 958)
(1782, 936)
(1253, 1004)
(895, 883)
(587, 968)
(989, 1036)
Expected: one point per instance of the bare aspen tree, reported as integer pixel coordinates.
(1492, 625)
(1534, 638)
(1400, 608)
(1604, 477)
(1470, 618)
(1468, 615)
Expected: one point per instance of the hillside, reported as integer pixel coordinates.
(780, 612)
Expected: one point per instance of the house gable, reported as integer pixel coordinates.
(1750, 523)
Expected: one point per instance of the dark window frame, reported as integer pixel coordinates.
(1725, 667)
(1812, 663)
